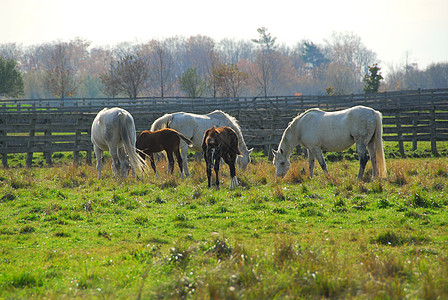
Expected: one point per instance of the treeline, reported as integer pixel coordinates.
(200, 66)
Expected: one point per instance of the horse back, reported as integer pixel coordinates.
(228, 139)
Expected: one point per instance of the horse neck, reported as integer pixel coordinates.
(290, 139)
(232, 122)
(241, 142)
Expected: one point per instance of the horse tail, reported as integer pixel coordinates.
(378, 142)
(162, 122)
(186, 140)
(127, 129)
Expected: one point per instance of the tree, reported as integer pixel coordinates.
(191, 83)
(264, 72)
(348, 52)
(229, 80)
(11, 81)
(313, 55)
(341, 78)
(59, 78)
(110, 81)
(437, 75)
(162, 64)
(266, 40)
(372, 80)
(128, 75)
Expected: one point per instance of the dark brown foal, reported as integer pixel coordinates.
(168, 140)
(220, 143)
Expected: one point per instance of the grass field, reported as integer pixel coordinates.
(64, 233)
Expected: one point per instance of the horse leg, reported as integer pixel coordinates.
(217, 160)
(230, 160)
(209, 170)
(179, 162)
(311, 163)
(320, 158)
(115, 160)
(170, 157)
(183, 154)
(124, 163)
(362, 154)
(372, 153)
(153, 163)
(99, 160)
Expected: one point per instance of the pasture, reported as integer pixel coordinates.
(64, 233)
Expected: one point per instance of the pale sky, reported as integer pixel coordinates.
(390, 28)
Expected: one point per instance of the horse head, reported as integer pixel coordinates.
(244, 160)
(281, 162)
(213, 143)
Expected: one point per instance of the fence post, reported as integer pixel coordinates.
(29, 155)
(433, 131)
(414, 133)
(48, 144)
(77, 139)
(3, 145)
(399, 134)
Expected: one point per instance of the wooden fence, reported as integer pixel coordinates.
(48, 126)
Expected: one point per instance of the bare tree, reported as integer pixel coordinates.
(266, 71)
(347, 51)
(233, 51)
(129, 75)
(161, 64)
(229, 80)
(341, 78)
(59, 79)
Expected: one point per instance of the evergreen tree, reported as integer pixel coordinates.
(191, 83)
(372, 80)
(11, 82)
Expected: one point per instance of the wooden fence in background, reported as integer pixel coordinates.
(52, 125)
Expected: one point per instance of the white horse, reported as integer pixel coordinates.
(334, 131)
(113, 130)
(193, 126)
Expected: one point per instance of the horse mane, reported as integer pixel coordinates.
(162, 122)
(219, 114)
(287, 133)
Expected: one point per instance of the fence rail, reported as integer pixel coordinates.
(54, 125)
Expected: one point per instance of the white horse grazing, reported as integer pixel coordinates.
(334, 131)
(113, 130)
(193, 126)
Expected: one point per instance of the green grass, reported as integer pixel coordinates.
(63, 233)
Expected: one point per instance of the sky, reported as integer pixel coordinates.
(393, 29)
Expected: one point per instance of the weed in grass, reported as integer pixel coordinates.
(159, 200)
(179, 256)
(388, 238)
(8, 196)
(24, 279)
(285, 252)
(340, 205)
(221, 249)
(27, 229)
(384, 203)
(141, 220)
(170, 182)
(279, 193)
(88, 280)
(398, 179)
(419, 200)
(62, 234)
